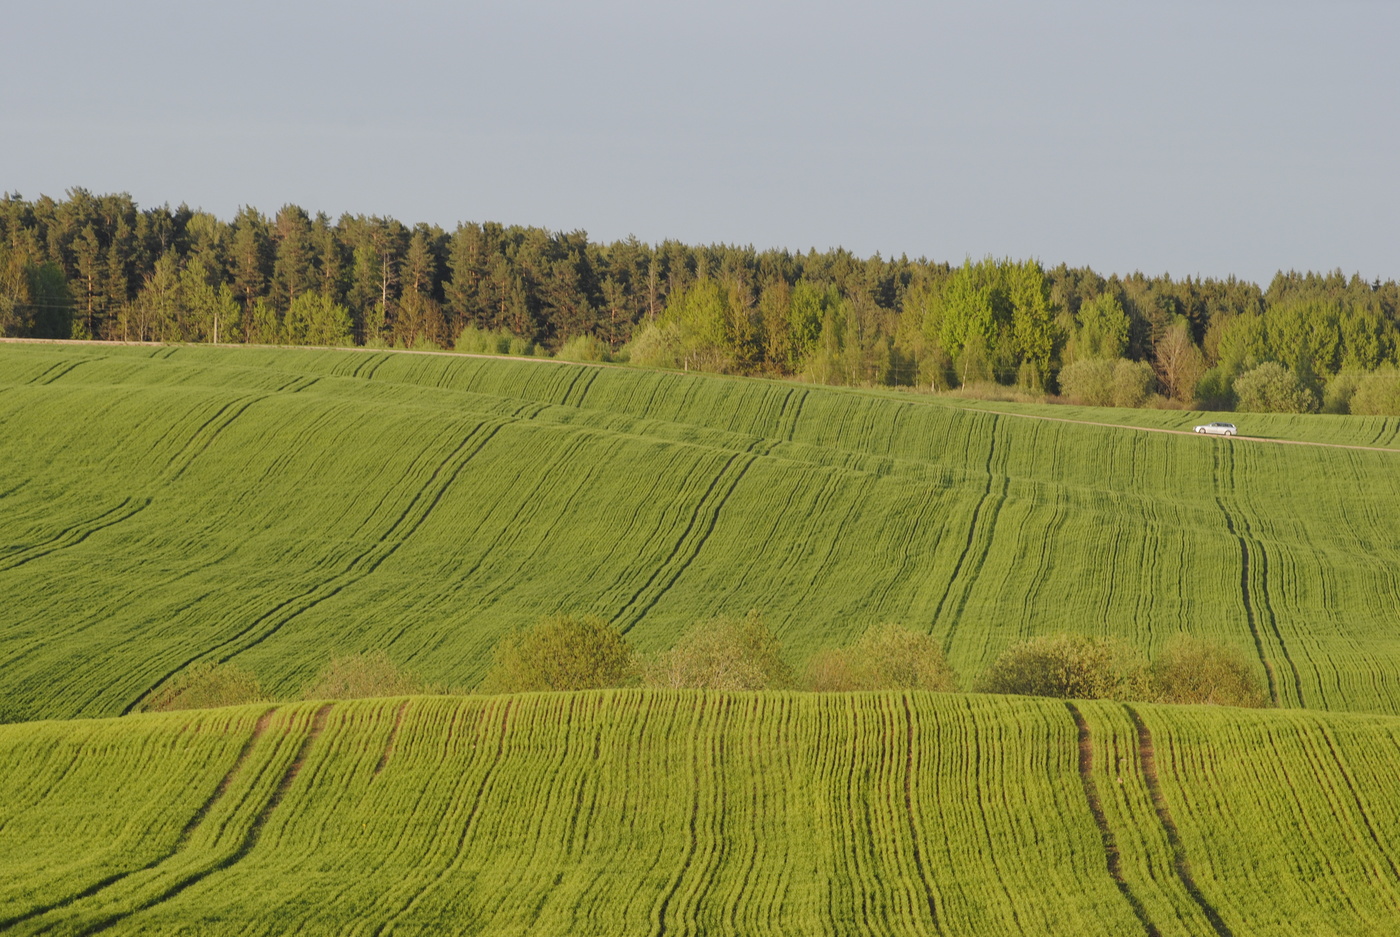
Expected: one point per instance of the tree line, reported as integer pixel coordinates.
(101, 267)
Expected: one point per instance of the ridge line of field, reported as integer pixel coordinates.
(1356, 799)
(175, 467)
(393, 738)
(386, 352)
(634, 616)
(691, 839)
(1244, 585)
(1147, 760)
(1110, 844)
(468, 826)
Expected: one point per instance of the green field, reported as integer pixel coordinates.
(165, 506)
(638, 812)
(168, 505)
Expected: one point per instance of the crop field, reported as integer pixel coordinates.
(1381, 432)
(161, 506)
(684, 812)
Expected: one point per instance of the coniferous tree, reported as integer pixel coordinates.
(250, 260)
(294, 265)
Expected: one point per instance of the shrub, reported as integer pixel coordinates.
(655, 346)
(991, 390)
(1194, 670)
(1132, 382)
(1272, 388)
(1378, 393)
(362, 675)
(885, 657)
(1336, 396)
(1107, 382)
(204, 686)
(1028, 378)
(561, 652)
(477, 341)
(1214, 390)
(724, 654)
(1088, 381)
(1068, 666)
(973, 366)
(584, 348)
(423, 342)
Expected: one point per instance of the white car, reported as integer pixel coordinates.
(1217, 429)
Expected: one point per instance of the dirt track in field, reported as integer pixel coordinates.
(1180, 432)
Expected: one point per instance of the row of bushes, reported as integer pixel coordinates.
(355, 676)
(563, 652)
(477, 341)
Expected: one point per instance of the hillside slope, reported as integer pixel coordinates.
(685, 812)
(161, 506)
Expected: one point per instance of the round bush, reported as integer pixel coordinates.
(1193, 670)
(1069, 666)
(359, 676)
(724, 654)
(561, 652)
(885, 657)
(204, 686)
(1272, 388)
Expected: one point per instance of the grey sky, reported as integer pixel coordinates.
(1201, 138)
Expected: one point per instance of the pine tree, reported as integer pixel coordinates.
(294, 267)
(250, 258)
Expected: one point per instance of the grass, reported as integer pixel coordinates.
(612, 812)
(166, 506)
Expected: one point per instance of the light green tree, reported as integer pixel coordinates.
(885, 657)
(211, 312)
(806, 311)
(1100, 330)
(1273, 388)
(1069, 666)
(1180, 364)
(315, 319)
(156, 313)
(1378, 393)
(1002, 309)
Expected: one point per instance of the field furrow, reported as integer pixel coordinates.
(687, 812)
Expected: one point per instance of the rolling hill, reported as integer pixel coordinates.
(169, 505)
(164, 506)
